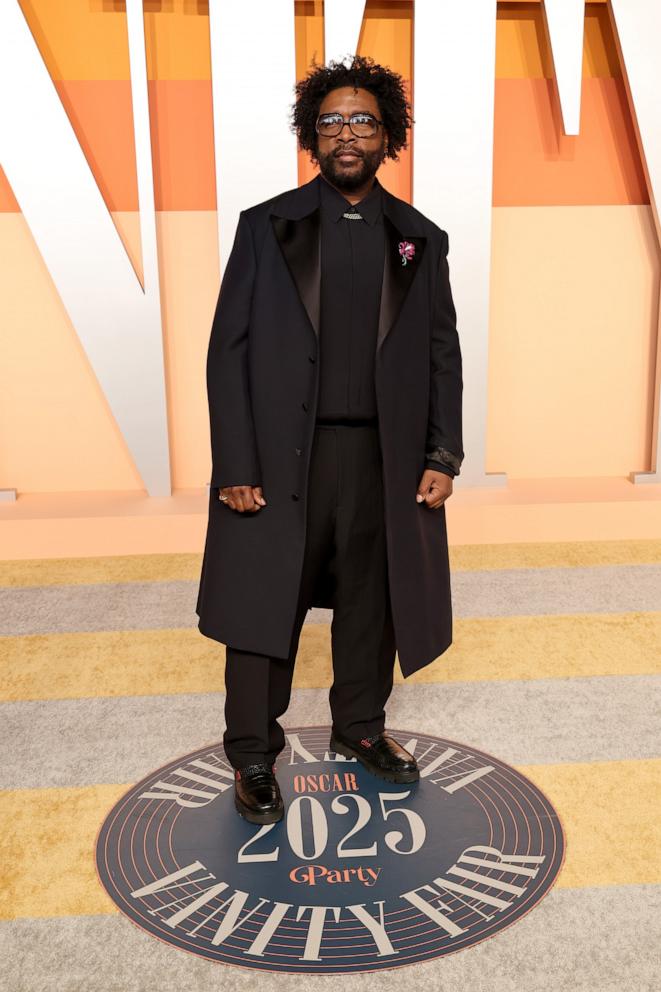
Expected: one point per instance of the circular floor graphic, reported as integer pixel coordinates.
(360, 875)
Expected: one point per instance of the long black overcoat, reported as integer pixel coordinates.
(262, 383)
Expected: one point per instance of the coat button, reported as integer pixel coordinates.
(304, 405)
(294, 496)
(298, 451)
(312, 359)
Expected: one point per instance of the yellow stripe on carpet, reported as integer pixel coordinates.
(169, 662)
(608, 810)
(465, 557)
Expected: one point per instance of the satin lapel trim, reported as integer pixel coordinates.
(300, 242)
(397, 278)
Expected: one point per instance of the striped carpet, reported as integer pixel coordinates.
(554, 669)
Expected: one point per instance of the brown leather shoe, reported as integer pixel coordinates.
(381, 755)
(257, 793)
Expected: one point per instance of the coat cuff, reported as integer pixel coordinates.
(221, 484)
(443, 457)
(440, 467)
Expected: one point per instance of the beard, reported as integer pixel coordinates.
(350, 177)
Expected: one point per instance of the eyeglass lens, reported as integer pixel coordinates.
(362, 125)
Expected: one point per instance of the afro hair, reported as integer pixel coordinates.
(361, 72)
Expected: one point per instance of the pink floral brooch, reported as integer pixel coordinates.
(407, 251)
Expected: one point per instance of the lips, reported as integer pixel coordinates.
(347, 155)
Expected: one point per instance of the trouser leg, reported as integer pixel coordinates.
(258, 686)
(257, 692)
(362, 632)
(247, 678)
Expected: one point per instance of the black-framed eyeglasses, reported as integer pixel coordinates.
(362, 125)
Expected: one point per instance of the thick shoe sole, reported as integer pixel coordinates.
(268, 816)
(389, 776)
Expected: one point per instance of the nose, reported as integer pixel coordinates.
(350, 139)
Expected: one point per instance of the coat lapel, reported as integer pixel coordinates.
(300, 243)
(397, 278)
(297, 226)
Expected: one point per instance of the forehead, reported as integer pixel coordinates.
(346, 99)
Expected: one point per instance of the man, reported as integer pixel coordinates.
(334, 378)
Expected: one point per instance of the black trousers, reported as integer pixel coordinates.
(346, 533)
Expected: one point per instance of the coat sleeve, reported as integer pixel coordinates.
(440, 467)
(233, 445)
(444, 430)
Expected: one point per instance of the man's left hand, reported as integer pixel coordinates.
(434, 488)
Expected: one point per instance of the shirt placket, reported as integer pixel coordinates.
(351, 335)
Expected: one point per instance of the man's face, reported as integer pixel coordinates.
(346, 161)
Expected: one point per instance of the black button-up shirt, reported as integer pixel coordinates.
(352, 254)
(352, 257)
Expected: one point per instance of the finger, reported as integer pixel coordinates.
(252, 495)
(435, 496)
(258, 495)
(247, 502)
(234, 498)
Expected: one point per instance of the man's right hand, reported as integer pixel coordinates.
(243, 498)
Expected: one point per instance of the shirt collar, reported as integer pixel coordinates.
(334, 204)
